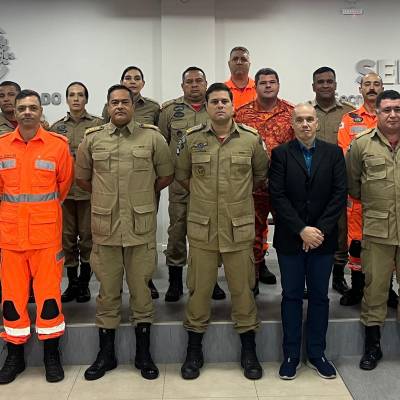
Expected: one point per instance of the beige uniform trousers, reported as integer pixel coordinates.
(378, 261)
(109, 264)
(77, 233)
(201, 278)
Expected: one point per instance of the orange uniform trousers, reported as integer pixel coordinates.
(45, 267)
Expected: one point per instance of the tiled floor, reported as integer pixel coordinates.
(222, 381)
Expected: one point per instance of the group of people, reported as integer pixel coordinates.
(230, 153)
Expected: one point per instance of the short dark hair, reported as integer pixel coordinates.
(217, 87)
(265, 71)
(128, 69)
(239, 48)
(113, 88)
(321, 70)
(27, 93)
(387, 94)
(80, 84)
(193, 68)
(11, 83)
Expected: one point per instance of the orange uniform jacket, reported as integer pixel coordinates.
(244, 95)
(352, 124)
(35, 178)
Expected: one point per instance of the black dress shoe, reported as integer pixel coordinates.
(265, 275)
(153, 290)
(218, 293)
(340, 285)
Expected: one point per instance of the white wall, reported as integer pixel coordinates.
(56, 42)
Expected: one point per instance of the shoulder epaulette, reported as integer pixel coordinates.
(363, 133)
(346, 103)
(287, 103)
(94, 129)
(57, 135)
(152, 101)
(169, 102)
(243, 106)
(149, 126)
(63, 119)
(195, 128)
(249, 129)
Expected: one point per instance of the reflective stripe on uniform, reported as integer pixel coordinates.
(49, 331)
(17, 332)
(60, 255)
(44, 164)
(29, 198)
(6, 164)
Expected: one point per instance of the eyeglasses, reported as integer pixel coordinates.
(388, 110)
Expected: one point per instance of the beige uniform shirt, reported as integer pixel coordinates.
(221, 209)
(5, 125)
(374, 178)
(123, 165)
(75, 132)
(147, 111)
(329, 120)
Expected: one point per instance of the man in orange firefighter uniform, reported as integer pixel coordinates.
(352, 124)
(36, 171)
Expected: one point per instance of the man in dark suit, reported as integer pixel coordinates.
(308, 189)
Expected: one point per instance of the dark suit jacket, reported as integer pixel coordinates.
(300, 200)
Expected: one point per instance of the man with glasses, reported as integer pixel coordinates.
(372, 170)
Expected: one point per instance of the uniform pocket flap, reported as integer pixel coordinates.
(377, 214)
(370, 162)
(101, 156)
(42, 218)
(141, 153)
(240, 221)
(144, 209)
(101, 210)
(198, 158)
(198, 219)
(241, 159)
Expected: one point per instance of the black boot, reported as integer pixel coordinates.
(83, 294)
(153, 290)
(248, 359)
(338, 282)
(175, 289)
(52, 363)
(194, 356)
(105, 360)
(14, 363)
(143, 360)
(355, 294)
(218, 293)
(393, 299)
(265, 275)
(256, 289)
(372, 352)
(71, 292)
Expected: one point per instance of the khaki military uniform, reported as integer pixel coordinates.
(176, 117)
(374, 178)
(123, 165)
(5, 125)
(328, 126)
(220, 223)
(76, 207)
(147, 111)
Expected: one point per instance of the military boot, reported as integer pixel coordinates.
(153, 290)
(71, 292)
(265, 275)
(393, 299)
(354, 295)
(248, 360)
(372, 351)
(175, 289)
(218, 293)
(338, 282)
(14, 363)
(143, 360)
(83, 294)
(194, 356)
(52, 363)
(105, 360)
(256, 289)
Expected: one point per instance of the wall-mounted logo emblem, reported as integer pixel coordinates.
(5, 54)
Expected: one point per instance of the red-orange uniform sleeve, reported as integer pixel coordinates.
(65, 173)
(344, 137)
